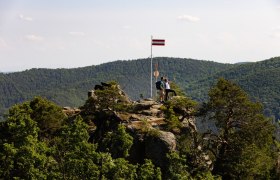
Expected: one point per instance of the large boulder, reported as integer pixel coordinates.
(154, 145)
(158, 145)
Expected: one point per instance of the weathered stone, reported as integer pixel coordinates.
(143, 122)
(147, 112)
(155, 111)
(156, 147)
(190, 123)
(156, 121)
(148, 99)
(143, 106)
(156, 106)
(68, 111)
(135, 117)
(124, 116)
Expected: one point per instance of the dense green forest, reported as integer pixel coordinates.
(38, 140)
(260, 80)
(68, 87)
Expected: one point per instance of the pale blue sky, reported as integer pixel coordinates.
(71, 33)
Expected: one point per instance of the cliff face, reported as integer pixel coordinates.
(145, 120)
(146, 124)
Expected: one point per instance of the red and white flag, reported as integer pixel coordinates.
(158, 42)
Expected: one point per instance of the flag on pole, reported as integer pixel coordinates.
(158, 42)
(155, 42)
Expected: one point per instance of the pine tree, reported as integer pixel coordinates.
(243, 143)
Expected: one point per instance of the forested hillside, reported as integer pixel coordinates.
(68, 87)
(261, 80)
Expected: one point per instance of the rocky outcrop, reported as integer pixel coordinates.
(145, 124)
(68, 111)
(144, 120)
(157, 146)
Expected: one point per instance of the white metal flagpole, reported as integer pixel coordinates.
(151, 67)
(156, 42)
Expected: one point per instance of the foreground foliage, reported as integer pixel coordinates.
(243, 143)
(37, 141)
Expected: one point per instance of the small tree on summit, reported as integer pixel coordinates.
(100, 110)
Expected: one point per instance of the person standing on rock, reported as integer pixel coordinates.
(162, 89)
(168, 89)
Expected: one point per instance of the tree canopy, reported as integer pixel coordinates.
(38, 141)
(245, 136)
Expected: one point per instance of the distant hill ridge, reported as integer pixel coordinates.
(68, 87)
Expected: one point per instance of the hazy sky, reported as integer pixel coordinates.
(78, 33)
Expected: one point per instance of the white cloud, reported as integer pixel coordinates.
(277, 28)
(3, 43)
(77, 33)
(126, 27)
(25, 18)
(275, 35)
(188, 18)
(226, 37)
(34, 38)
